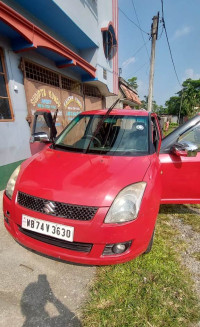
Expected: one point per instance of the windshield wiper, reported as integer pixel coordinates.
(60, 146)
(101, 124)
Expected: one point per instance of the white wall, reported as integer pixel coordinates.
(104, 17)
(84, 13)
(91, 16)
(14, 136)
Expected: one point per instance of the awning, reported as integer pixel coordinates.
(130, 95)
(103, 88)
(55, 17)
(25, 36)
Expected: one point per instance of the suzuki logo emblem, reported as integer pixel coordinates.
(49, 208)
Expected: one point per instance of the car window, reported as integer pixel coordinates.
(118, 135)
(155, 133)
(193, 136)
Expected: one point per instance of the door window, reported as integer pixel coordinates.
(155, 133)
(193, 136)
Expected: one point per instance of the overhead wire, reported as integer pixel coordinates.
(170, 51)
(164, 26)
(138, 50)
(141, 67)
(141, 30)
(133, 22)
(159, 37)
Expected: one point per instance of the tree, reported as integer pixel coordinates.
(133, 82)
(187, 101)
(144, 102)
(173, 105)
(155, 107)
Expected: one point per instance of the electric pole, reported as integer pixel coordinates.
(154, 35)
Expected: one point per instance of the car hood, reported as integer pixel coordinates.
(83, 179)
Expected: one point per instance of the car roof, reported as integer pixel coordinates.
(118, 112)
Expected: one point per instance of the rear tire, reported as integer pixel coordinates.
(150, 243)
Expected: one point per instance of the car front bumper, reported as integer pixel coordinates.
(90, 237)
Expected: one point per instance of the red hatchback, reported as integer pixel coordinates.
(93, 195)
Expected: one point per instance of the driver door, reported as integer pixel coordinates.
(43, 123)
(180, 175)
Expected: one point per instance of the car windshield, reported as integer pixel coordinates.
(118, 135)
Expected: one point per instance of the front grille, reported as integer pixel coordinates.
(74, 246)
(57, 209)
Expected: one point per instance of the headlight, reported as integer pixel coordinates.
(11, 183)
(127, 204)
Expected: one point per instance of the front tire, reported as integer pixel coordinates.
(150, 243)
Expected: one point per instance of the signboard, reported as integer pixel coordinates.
(73, 105)
(42, 96)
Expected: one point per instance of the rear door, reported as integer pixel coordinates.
(180, 175)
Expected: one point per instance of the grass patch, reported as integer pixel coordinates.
(196, 255)
(188, 213)
(5, 173)
(172, 127)
(152, 290)
(197, 206)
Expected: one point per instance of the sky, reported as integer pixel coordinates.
(182, 21)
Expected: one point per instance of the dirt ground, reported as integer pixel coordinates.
(192, 239)
(188, 258)
(36, 290)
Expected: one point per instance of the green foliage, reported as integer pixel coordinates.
(174, 124)
(133, 82)
(173, 105)
(144, 104)
(189, 97)
(152, 290)
(155, 107)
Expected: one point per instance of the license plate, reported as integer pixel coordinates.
(40, 226)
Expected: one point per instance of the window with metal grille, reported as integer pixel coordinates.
(44, 75)
(69, 84)
(107, 44)
(91, 91)
(41, 74)
(6, 113)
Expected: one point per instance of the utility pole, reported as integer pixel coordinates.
(154, 35)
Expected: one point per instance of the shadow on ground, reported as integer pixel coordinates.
(177, 209)
(41, 308)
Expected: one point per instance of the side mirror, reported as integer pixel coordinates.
(43, 121)
(39, 137)
(184, 149)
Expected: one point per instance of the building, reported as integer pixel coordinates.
(53, 54)
(128, 96)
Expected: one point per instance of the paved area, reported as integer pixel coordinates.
(36, 290)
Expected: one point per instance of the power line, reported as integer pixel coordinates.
(162, 5)
(163, 20)
(140, 67)
(133, 22)
(170, 51)
(159, 37)
(141, 31)
(138, 50)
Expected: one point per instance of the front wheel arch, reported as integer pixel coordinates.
(149, 247)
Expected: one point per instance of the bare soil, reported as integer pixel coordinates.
(188, 258)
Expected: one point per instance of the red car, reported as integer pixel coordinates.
(93, 194)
